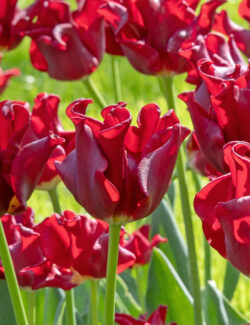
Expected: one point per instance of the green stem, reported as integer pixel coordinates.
(116, 78)
(109, 311)
(187, 214)
(54, 200)
(70, 301)
(169, 93)
(94, 307)
(207, 249)
(10, 276)
(32, 308)
(138, 271)
(94, 92)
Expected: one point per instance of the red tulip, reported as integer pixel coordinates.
(44, 120)
(151, 33)
(223, 206)
(219, 110)
(139, 244)
(67, 45)
(157, 318)
(32, 268)
(80, 244)
(21, 160)
(224, 25)
(9, 37)
(226, 57)
(197, 160)
(119, 173)
(6, 75)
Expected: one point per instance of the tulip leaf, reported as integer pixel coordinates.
(7, 315)
(52, 299)
(218, 310)
(166, 287)
(60, 312)
(171, 193)
(230, 281)
(175, 240)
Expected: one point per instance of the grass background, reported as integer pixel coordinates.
(137, 90)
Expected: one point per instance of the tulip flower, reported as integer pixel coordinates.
(139, 244)
(197, 160)
(119, 173)
(225, 25)
(44, 120)
(223, 206)
(225, 55)
(219, 110)
(32, 268)
(157, 318)
(9, 36)
(150, 33)
(67, 45)
(80, 244)
(21, 159)
(6, 75)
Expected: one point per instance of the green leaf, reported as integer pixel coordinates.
(166, 287)
(230, 281)
(7, 315)
(60, 312)
(175, 240)
(218, 310)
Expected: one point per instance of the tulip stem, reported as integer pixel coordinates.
(168, 91)
(94, 92)
(207, 249)
(109, 307)
(11, 279)
(70, 301)
(54, 200)
(32, 308)
(94, 309)
(116, 78)
(187, 214)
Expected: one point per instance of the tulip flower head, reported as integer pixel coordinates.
(117, 172)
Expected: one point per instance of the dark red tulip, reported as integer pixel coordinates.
(151, 33)
(225, 25)
(225, 55)
(157, 318)
(80, 244)
(139, 244)
(223, 206)
(44, 120)
(21, 160)
(32, 268)
(6, 75)
(9, 37)
(219, 108)
(67, 45)
(197, 160)
(120, 172)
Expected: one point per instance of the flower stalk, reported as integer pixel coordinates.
(116, 78)
(187, 214)
(94, 294)
(11, 279)
(114, 237)
(94, 92)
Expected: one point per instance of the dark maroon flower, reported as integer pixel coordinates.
(80, 244)
(150, 33)
(120, 172)
(157, 318)
(32, 268)
(197, 160)
(6, 75)
(9, 37)
(225, 55)
(21, 161)
(139, 244)
(67, 45)
(44, 120)
(225, 25)
(219, 108)
(224, 208)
